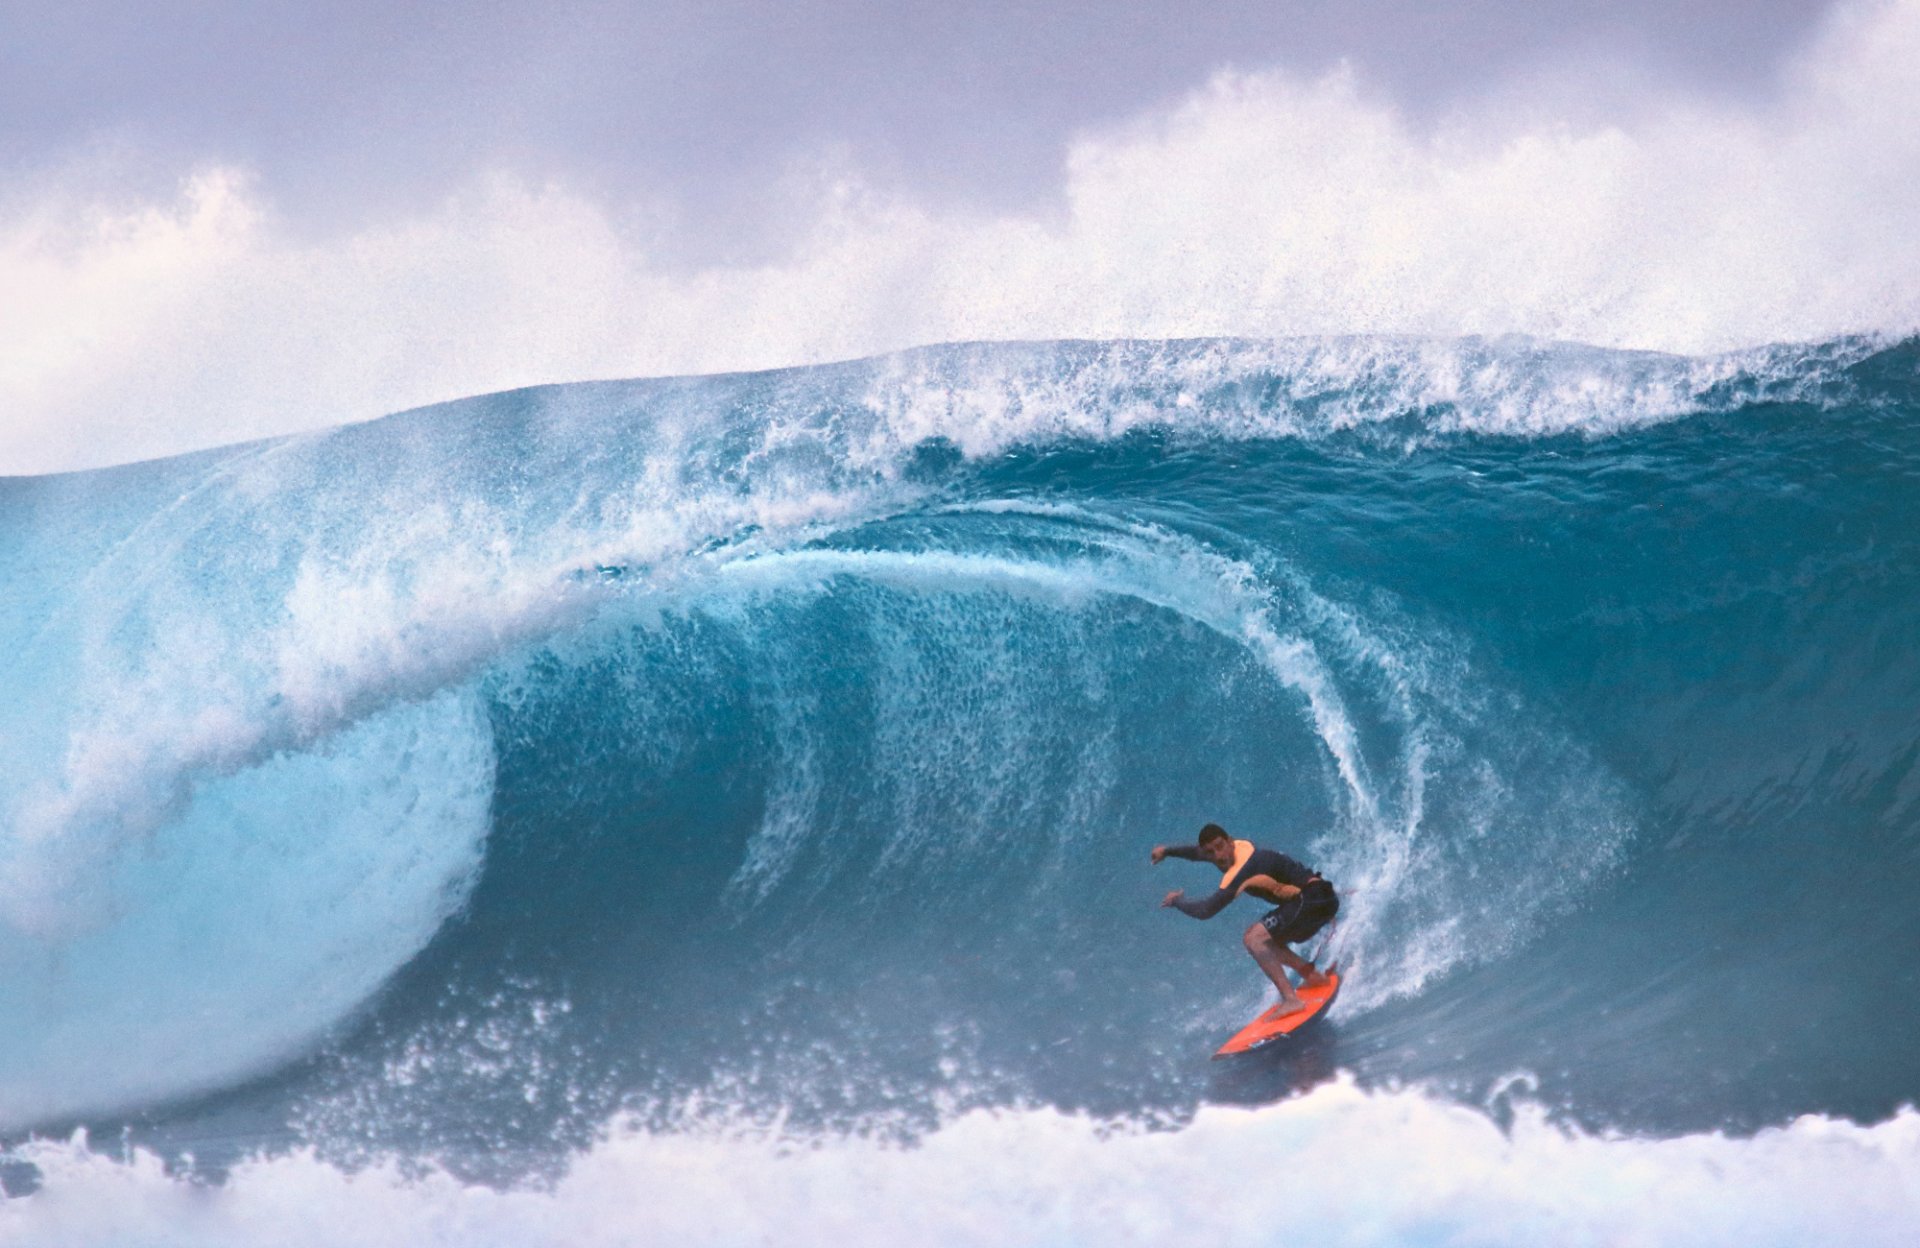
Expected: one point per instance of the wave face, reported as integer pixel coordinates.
(781, 752)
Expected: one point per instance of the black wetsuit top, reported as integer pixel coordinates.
(1268, 862)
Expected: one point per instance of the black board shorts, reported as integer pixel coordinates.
(1301, 918)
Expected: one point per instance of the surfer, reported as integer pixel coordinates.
(1303, 903)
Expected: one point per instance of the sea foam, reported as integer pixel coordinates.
(1338, 1165)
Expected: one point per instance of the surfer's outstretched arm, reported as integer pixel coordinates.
(1191, 853)
(1205, 909)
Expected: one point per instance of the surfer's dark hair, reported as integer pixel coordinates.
(1212, 832)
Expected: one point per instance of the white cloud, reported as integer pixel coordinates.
(1260, 205)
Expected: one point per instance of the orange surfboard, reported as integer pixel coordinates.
(1269, 1027)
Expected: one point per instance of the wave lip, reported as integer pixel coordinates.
(987, 397)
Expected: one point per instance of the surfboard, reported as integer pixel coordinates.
(1272, 1026)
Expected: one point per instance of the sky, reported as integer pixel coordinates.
(226, 220)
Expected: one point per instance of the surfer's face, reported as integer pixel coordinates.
(1219, 851)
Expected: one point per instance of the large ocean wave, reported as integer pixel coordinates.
(570, 785)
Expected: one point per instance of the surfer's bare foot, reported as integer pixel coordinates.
(1315, 980)
(1289, 1005)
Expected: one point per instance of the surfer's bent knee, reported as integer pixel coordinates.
(1257, 936)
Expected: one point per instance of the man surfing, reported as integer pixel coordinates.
(1303, 903)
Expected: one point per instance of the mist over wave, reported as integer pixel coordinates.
(1260, 205)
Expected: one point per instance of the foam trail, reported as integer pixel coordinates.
(1381, 1168)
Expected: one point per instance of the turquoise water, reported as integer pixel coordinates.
(785, 749)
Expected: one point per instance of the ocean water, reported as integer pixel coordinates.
(716, 810)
